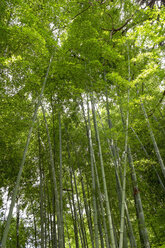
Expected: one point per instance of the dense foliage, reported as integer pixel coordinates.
(82, 123)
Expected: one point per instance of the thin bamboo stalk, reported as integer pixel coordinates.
(98, 183)
(125, 166)
(87, 210)
(74, 212)
(41, 191)
(104, 179)
(17, 225)
(74, 218)
(153, 140)
(113, 154)
(5, 234)
(79, 211)
(54, 182)
(147, 155)
(61, 190)
(93, 181)
(138, 204)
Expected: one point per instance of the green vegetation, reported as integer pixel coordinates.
(82, 124)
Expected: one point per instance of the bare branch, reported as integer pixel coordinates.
(114, 30)
(81, 12)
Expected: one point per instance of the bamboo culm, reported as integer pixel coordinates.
(80, 214)
(5, 234)
(98, 183)
(17, 225)
(93, 181)
(74, 212)
(101, 204)
(138, 204)
(54, 182)
(124, 177)
(147, 155)
(153, 140)
(114, 153)
(104, 179)
(61, 190)
(41, 191)
(87, 210)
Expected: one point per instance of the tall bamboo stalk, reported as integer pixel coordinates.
(54, 182)
(74, 218)
(101, 203)
(79, 211)
(87, 210)
(153, 140)
(124, 183)
(61, 190)
(104, 179)
(54, 232)
(138, 204)
(17, 225)
(67, 231)
(74, 212)
(34, 223)
(147, 155)
(5, 234)
(115, 156)
(98, 183)
(125, 165)
(41, 192)
(44, 208)
(100, 226)
(93, 181)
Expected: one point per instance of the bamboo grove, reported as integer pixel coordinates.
(82, 124)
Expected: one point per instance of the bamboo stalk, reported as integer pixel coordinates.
(153, 140)
(147, 155)
(113, 154)
(61, 190)
(104, 179)
(55, 183)
(124, 183)
(138, 204)
(5, 234)
(87, 210)
(93, 181)
(41, 192)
